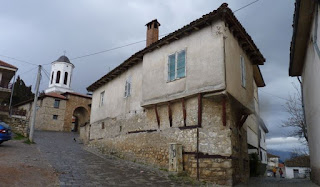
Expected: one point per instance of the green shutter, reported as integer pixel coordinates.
(171, 67)
(181, 64)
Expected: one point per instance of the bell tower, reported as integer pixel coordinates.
(60, 76)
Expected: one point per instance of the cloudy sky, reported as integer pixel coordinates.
(39, 31)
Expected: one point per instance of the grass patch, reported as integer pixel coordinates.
(28, 142)
(184, 178)
(163, 169)
(18, 136)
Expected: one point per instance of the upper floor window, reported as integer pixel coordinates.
(127, 89)
(177, 65)
(243, 71)
(58, 77)
(56, 103)
(65, 81)
(101, 98)
(52, 77)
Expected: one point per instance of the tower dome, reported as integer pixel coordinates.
(61, 74)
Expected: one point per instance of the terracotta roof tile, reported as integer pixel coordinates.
(2, 63)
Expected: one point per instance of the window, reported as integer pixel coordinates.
(243, 71)
(65, 81)
(52, 77)
(177, 65)
(127, 89)
(55, 117)
(56, 103)
(58, 77)
(101, 98)
(102, 125)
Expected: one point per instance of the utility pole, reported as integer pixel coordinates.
(12, 90)
(34, 105)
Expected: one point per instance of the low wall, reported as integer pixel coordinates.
(18, 124)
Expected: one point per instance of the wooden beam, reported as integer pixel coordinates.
(243, 119)
(157, 115)
(170, 114)
(199, 109)
(196, 28)
(184, 112)
(224, 112)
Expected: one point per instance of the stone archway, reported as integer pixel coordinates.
(81, 116)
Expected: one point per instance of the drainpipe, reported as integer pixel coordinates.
(303, 108)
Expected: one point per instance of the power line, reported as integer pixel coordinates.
(246, 6)
(28, 71)
(45, 73)
(274, 95)
(12, 58)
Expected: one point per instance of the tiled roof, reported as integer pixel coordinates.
(55, 95)
(77, 94)
(272, 156)
(2, 63)
(51, 94)
(300, 161)
(223, 13)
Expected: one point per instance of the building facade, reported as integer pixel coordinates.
(60, 108)
(194, 87)
(305, 62)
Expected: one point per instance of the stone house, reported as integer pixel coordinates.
(305, 62)
(59, 108)
(298, 167)
(183, 101)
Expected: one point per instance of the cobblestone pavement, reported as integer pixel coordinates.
(80, 167)
(278, 182)
(23, 165)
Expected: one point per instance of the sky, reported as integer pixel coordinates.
(40, 31)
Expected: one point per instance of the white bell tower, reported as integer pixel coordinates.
(61, 74)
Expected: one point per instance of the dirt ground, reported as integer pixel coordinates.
(23, 165)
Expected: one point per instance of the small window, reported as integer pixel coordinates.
(101, 98)
(177, 65)
(127, 89)
(58, 77)
(52, 77)
(243, 71)
(102, 125)
(55, 117)
(65, 81)
(56, 103)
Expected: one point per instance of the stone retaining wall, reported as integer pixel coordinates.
(18, 124)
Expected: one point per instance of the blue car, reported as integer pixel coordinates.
(5, 132)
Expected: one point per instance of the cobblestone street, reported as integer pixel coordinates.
(79, 167)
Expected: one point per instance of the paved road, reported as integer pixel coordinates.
(79, 167)
(24, 165)
(278, 182)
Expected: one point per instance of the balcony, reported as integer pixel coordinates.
(15, 111)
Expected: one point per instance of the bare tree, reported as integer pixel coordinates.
(294, 106)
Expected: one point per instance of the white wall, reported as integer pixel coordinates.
(311, 92)
(290, 174)
(115, 104)
(62, 67)
(204, 66)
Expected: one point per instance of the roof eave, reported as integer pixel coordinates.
(302, 22)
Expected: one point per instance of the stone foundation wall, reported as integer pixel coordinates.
(136, 136)
(18, 124)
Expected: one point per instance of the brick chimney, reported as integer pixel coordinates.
(152, 31)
